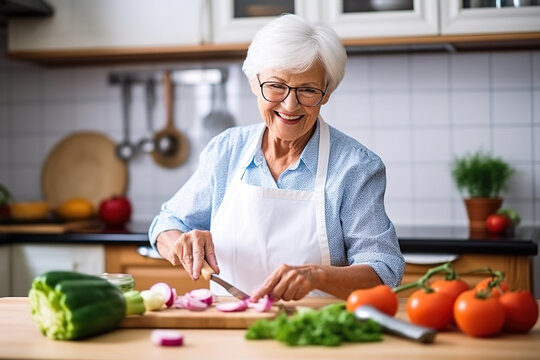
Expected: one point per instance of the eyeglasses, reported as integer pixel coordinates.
(274, 91)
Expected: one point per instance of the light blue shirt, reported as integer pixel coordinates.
(358, 228)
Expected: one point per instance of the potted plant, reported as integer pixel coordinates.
(481, 177)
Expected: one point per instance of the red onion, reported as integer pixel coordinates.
(204, 295)
(194, 304)
(166, 291)
(167, 337)
(232, 306)
(264, 304)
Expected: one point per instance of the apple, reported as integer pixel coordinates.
(115, 210)
(498, 223)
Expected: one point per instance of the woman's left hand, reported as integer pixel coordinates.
(288, 283)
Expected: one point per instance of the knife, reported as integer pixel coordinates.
(396, 326)
(208, 273)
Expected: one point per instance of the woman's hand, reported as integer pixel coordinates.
(188, 249)
(289, 283)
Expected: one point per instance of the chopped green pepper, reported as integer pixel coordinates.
(68, 305)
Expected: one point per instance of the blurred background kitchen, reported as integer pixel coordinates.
(417, 103)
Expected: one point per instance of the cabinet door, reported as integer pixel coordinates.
(488, 17)
(237, 21)
(83, 24)
(381, 18)
(5, 271)
(30, 260)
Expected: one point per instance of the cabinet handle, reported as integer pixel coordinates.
(149, 252)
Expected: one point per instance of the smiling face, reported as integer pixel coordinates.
(289, 120)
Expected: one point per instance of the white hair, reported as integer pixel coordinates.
(292, 44)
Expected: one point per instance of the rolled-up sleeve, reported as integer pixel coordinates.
(369, 235)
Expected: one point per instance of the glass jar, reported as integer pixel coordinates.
(124, 282)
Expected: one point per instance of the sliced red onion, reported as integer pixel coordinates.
(264, 304)
(164, 290)
(180, 302)
(194, 304)
(204, 295)
(232, 306)
(167, 337)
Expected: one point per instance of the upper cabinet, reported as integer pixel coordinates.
(489, 16)
(84, 30)
(108, 24)
(381, 18)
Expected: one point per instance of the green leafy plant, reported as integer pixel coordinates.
(481, 174)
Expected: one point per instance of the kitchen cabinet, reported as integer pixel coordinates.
(469, 17)
(109, 24)
(30, 260)
(237, 21)
(148, 269)
(516, 268)
(5, 273)
(359, 19)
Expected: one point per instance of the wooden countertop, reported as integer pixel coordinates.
(21, 339)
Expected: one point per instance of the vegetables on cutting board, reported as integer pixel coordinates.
(329, 326)
(68, 305)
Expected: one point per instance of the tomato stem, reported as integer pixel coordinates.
(422, 282)
(496, 279)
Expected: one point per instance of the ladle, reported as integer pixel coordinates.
(125, 150)
(146, 144)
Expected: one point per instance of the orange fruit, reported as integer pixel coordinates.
(77, 208)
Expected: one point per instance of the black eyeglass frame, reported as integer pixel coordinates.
(289, 91)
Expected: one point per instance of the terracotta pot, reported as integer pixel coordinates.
(479, 209)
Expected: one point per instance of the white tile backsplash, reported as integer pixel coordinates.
(511, 70)
(430, 108)
(430, 72)
(416, 111)
(469, 71)
(512, 107)
(470, 107)
(513, 144)
(390, 72)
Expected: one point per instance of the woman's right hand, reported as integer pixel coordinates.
(188, 249)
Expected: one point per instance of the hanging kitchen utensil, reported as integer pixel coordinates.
(219, 118)
(172, 146)
(125, 150)
(146, 144)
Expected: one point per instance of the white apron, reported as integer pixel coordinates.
(257, 229)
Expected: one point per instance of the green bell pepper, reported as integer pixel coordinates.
(68, 305)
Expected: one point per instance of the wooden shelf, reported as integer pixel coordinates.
(516, 41)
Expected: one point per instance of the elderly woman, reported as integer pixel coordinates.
(292, 206)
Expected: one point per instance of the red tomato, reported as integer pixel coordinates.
(450, 287)
(496, 291)
(381, 297)
(433, 309)
(115, 210)
(520, 309)
(478, 317)
(498, 223)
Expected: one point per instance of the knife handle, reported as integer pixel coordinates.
(206, 271)
(396, 326)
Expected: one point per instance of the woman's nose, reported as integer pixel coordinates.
(291, 102)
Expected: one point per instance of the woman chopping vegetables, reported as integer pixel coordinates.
(290, 206)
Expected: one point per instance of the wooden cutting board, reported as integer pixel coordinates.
(210, 318)
(49, 228)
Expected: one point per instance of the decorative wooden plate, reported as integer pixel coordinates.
(83, 164)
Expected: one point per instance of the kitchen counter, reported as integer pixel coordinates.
(412, 239)
(21, 339)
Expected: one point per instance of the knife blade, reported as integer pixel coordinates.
(208, 273)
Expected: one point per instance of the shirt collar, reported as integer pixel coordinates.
(309, 156)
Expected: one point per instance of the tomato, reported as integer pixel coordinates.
(450, 287)
(520, 309)
(478, 317)
(496, 291)
(381, 297)
(498, 223)
(115, 210)
(433, 309)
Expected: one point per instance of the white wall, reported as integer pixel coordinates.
(416, 111)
